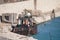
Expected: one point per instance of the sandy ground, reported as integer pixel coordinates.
(5, 33)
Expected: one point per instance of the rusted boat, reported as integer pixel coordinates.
(26, 26)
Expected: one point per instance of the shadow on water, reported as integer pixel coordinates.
(49, 30)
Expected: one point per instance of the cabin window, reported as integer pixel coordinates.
(11, 1)
(7, 17)
(6, 1)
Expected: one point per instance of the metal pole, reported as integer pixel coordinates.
(53, 14)
(35, 4)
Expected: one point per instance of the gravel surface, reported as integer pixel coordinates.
(2, 38)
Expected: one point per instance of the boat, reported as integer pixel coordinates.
(26, 27)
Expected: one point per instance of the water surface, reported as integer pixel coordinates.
(49, 30)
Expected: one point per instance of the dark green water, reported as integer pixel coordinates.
(49, 30)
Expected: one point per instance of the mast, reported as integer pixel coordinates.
(35, 4)
(35, 7)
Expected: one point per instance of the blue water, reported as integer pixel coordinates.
(49, 30)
